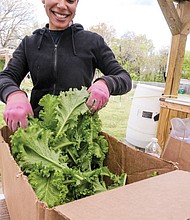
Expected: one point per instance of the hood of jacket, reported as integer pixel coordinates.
(73, 28)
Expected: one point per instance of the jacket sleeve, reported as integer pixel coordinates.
(12, 76)
(117, 79)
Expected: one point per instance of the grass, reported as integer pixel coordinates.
(114, 116)
(2, 107)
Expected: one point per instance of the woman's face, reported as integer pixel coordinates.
(60, 13)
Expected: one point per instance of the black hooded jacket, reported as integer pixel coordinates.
(70, 63)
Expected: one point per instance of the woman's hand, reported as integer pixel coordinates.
(99, 96)
(17, 110)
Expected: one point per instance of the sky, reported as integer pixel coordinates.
(143, 17)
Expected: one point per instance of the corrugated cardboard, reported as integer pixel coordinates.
(164, 197)
(4, 215)
(23, 204)
(178, 152)
(137, 164)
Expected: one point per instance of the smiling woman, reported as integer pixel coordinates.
(59, 57)
(60, 13)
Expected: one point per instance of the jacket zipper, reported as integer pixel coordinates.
(55, 67)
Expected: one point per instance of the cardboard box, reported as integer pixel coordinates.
(178, 152)
(164, 197)
(115, 204)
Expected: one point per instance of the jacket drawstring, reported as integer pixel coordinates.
(39, 45)
(72, 39)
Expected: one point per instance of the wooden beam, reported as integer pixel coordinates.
(175, 65)
(186, 28)
(185, 17)
(177, 106)
(179, 23)
(178, 1)
(162, 126)
(179, 64)
(177, 51)
(170, 108)
(171, 16)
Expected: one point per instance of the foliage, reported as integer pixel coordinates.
(107, 32)
(186, 66)
(137, 55)
(2, 63)
(15, 16)
(62, 152)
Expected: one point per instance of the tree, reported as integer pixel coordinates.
(137, 55)
(162, 61)
(186, 66)
(134, 53)
(107, 32)
(15, 16)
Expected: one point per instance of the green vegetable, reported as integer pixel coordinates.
(62, 152)
(155, 173)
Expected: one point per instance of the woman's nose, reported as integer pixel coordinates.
(62, 4)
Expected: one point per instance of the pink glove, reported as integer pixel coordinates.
(17, 110)
(99, 96)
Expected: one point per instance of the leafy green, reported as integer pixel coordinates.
(44, 188)
(62, 152)
(34, 148)
(49, 104)
(71, 105)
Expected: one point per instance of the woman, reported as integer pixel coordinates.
(60, 56)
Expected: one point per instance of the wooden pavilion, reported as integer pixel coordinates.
(177, 16)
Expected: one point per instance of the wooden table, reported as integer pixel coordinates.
(4, 215)
(171, 108)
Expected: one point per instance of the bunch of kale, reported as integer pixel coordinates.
(62, 152)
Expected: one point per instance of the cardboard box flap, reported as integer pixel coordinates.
(5, 133)
(160, 198)
(137, 164)
(53, 214)
(23, 204)
(15, 186)
(178, 152)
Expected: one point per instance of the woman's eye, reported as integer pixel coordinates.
(71, 1)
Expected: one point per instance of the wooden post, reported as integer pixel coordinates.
(177, 50)
(175, 64)
(179, 23)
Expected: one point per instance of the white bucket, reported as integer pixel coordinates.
(144, 113)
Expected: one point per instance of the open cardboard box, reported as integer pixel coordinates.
(114, 204)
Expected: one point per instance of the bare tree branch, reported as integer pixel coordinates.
(15, 16)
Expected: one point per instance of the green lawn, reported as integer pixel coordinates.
(114, 116)
(2, 107)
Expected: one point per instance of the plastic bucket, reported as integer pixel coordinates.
(144, 115)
